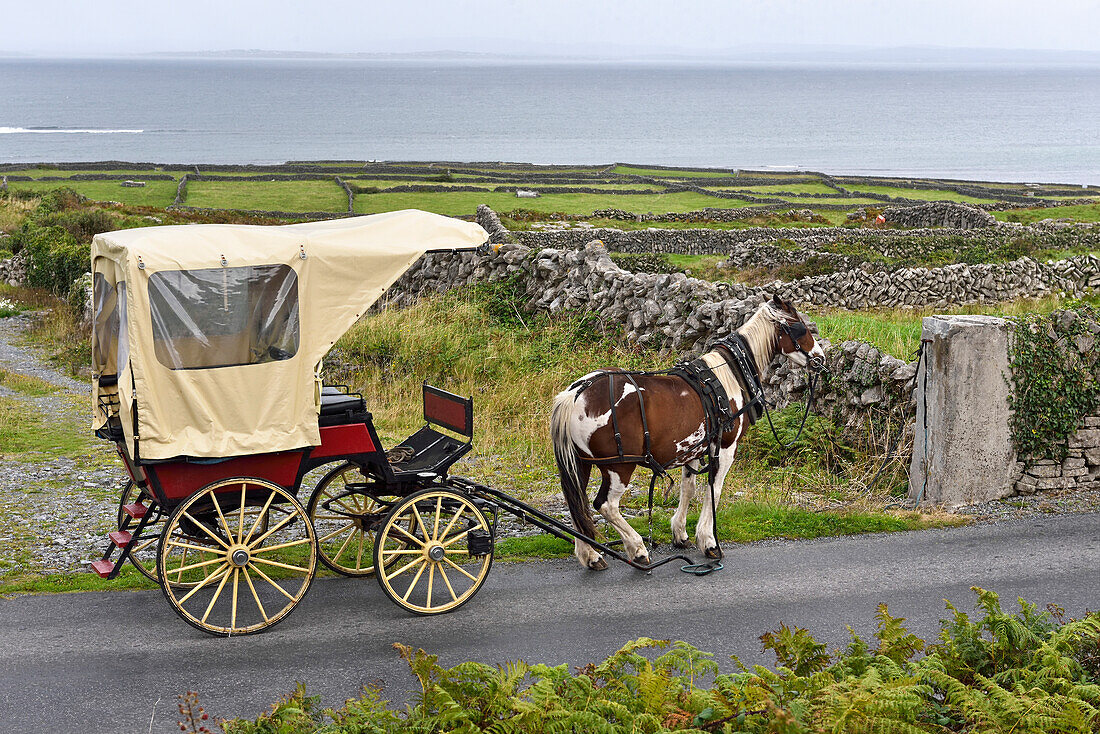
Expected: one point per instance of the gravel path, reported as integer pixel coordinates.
(54, 509)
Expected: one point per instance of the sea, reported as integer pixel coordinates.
(1038, 123)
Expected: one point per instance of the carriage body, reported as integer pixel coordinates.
(207, 347)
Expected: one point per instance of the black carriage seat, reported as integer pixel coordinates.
(429, 449)
(339, 407)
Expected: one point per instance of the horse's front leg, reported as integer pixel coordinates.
(615, 483)
(687, 491)
(704, 529)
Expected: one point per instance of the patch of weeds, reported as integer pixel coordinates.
(28, 385)
(28, 435)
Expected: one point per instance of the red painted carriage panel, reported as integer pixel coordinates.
(180, 479)
(344, 440)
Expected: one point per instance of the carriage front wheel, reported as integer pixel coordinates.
(433, 551)
(239, 555)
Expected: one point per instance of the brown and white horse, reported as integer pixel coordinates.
(581, 427)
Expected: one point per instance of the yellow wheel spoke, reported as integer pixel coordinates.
(456, 552)
(200, 564)
(279, 565)
(233, 608)
(143, 546)
(185, 546)
(454, 519)
(212, 577)
(455, 539)
(259, 518)
(460, 569)
(403, 552)
(359, 555)
(330, 517)
(221, 517)
(343, 547)
(267, 578)
(443, 573)
(183, 559)
(207, 530)
(435, 526)
(397, 528)
(336, 532)
(416, 578)
(404, 568)
(255, 596)
(287, 544)
(420, 522)
(240, 526)
(431, 581)
(217, 595)
(280, 524)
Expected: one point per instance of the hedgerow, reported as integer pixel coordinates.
(1026, 673)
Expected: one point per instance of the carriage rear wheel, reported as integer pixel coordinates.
(343, 517)
(239, 555)
(434, 550)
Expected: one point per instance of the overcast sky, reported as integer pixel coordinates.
(76, 27)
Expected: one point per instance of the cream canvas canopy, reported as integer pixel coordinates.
(216, 332)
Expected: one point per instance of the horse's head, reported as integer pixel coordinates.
(795, 338)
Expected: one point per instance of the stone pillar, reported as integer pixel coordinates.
(962, 447)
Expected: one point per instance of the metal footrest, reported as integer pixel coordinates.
(103, 567)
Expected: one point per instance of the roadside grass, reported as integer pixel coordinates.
(59, 583)
(28, 435)
(742, 522)
(155, 193)
(33, 387)
(1078, 212)
(288, 196)
(896, 331)
(465, 203)
(923, 194)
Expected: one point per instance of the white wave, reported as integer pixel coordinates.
(61, 130)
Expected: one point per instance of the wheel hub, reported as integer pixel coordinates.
(436, 553)
(239, 556)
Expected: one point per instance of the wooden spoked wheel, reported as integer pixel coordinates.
(434, 550)
(238, 556)
(143, 555)
(344, 518)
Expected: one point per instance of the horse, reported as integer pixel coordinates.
(583, 429)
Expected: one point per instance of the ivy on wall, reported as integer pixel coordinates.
(1053, 375)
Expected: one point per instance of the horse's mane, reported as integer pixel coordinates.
(760, 333)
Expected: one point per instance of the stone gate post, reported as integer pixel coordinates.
(962, 447)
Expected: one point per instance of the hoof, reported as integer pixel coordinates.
(712, 553)
(685, 543)
(597, 565)
(641, 560)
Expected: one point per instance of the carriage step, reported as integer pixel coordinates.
(103, 567)
(135, 510)
(120, 538)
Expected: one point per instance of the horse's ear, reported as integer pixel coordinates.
(777, 300)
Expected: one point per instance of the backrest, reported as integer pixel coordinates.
(447, 410)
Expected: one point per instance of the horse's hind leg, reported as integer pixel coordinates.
(612, 488)
(679, 518)
(589, 557)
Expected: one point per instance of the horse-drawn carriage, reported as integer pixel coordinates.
(207, 344)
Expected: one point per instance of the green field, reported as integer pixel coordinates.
(154, 193)
(466, 202)
(1078, 213)
(923, 194)
(286, 196)
(670, 173)
(792, 188)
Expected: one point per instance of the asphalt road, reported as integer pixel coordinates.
(114, 662)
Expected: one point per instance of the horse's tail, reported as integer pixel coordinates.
(573, 475)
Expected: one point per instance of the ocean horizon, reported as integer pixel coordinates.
(1009, 123)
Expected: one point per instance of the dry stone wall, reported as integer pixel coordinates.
(1079, 470)
(939, 214)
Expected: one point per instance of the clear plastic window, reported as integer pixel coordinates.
(105, 325)
(224, 317)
